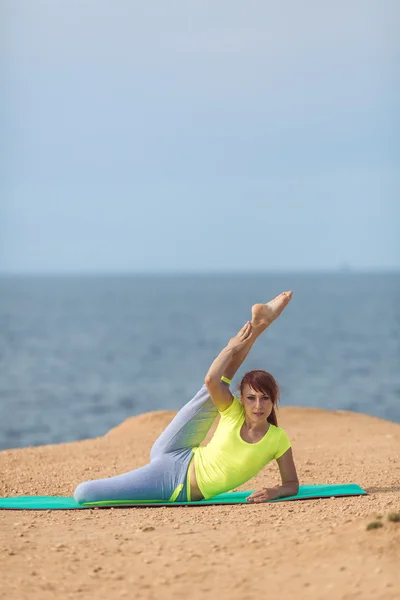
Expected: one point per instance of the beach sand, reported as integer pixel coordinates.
(314, 549)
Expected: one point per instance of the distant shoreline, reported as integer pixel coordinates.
(200, 273)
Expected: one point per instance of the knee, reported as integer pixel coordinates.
(84, 492)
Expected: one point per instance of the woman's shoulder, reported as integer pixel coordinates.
(279, 429)
(235, 410)
(278, 432)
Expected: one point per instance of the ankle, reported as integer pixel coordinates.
(258, 328)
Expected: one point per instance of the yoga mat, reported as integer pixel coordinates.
(65, 502)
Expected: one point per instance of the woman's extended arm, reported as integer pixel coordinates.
(227, 363)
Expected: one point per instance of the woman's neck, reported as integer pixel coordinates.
(254, 426)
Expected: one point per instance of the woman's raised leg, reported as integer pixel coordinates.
(188, 428)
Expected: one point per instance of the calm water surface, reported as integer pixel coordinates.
(78, 355)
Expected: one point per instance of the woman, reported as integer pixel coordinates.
(246, 439)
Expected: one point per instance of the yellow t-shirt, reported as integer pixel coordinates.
(228, 461)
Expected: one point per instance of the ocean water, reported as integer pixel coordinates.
(78, 355)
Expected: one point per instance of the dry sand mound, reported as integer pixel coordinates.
(312, 549)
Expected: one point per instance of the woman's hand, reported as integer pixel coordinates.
(239, 341)
(263, 495)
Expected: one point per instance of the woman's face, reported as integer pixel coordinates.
(257, 405)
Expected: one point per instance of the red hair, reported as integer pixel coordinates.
(263, 382)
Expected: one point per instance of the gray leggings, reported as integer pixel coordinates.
(165, 477)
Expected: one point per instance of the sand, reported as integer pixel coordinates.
(311, 549)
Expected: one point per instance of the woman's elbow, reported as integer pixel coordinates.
(210, 381)
(291, 488)
(296, 487)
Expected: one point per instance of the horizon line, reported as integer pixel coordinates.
(345, 270)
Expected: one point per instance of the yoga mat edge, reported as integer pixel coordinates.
(67, 503)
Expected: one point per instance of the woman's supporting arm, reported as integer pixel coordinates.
(290, 481)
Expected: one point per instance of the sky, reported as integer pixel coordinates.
(199, 136)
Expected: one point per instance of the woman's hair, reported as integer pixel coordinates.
(264, 382)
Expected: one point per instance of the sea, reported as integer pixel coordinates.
(80, 354)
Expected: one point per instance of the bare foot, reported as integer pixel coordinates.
(264, 314)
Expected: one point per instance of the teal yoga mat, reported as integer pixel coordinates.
(65, 502)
